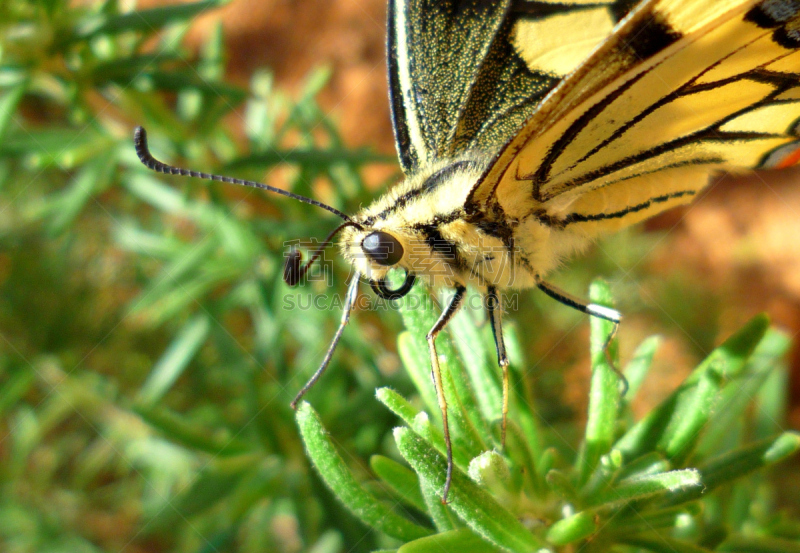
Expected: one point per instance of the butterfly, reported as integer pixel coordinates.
(527, 129)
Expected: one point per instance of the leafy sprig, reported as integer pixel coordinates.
(636, 485)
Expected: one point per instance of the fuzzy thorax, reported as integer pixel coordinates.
(443, 241)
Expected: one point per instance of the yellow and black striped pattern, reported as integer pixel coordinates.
(679, 91)
(462, 79)
(536, 126)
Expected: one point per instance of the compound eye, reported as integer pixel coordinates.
(382, 248)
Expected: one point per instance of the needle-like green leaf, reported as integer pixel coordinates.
(604, 393)
(674, 427)
(637, 488)
(573, 528)
(334, 471)
(401, 479)
(183, 348)
(462, 540)
(737, 463)
(473, 505)
(636, 369)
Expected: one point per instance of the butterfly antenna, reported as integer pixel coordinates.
(140, 143)
(293, 272)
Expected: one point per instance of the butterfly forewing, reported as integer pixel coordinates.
(640, 125)
(430, 77)
(466, 75)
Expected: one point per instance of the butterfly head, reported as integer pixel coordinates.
(418, 226)
(374, 252)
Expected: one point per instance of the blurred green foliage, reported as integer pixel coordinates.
(147, 359)
(147, 355)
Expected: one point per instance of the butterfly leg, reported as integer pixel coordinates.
(594, 310)
(350, 299)
(451, 309)
(495, 318)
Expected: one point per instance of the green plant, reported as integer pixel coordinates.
(669, 482)
(147, 359)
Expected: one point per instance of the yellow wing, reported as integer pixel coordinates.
(554, 36)
(681, 89)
